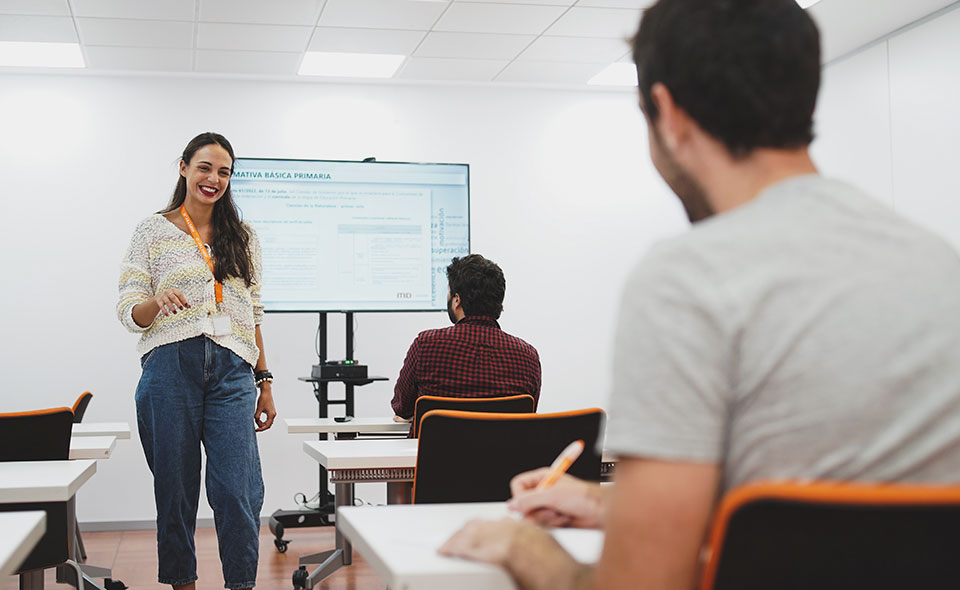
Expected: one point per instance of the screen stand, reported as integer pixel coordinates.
(323, 514)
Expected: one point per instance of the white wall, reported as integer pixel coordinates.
(563, 197)
(888, 121)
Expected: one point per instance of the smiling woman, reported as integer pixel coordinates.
(190, 285)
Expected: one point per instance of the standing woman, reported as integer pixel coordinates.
(190, 285)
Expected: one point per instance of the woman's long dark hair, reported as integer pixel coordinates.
(231, 242)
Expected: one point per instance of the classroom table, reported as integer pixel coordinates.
(37, 482)
(92, 447)
(367, 461)
(19, 534)
(43, 481)
(390, 461)
(383, 425)
(400, 543)
(121, 430)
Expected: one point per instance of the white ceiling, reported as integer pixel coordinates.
(554, 42)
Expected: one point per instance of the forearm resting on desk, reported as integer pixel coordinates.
(532, 556)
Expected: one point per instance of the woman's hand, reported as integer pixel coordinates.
(170, 301)
(165, 302)
(265, 407)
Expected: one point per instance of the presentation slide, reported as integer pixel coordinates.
(354, 236)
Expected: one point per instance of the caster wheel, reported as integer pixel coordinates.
(281, 545)
(300, 578)
(110, 584)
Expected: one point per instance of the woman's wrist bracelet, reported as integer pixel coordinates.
(260, 377)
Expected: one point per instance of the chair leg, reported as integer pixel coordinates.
(80, 548)
(85, 582)
(32, 580)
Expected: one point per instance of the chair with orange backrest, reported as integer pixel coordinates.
(512, 404)
(80, 406)
(835, 536)
(42, 435)
(471, 457)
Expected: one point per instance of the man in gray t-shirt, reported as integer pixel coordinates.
(799, 330)
(810, 333)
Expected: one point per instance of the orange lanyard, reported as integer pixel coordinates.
(217, 287)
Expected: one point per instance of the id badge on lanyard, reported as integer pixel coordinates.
(221, 325)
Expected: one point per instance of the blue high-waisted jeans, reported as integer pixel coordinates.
(194, 392)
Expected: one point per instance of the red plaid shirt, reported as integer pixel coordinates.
(473, 358)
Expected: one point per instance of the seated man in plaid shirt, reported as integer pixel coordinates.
(474, 357)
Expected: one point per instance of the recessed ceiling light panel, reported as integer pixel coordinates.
(40, 55)
(350, 65)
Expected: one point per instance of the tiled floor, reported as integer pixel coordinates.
(133, 557)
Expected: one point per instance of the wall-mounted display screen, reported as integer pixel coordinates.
(354, 236)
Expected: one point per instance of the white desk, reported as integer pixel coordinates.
(121, 430)
(92, 447)
(19, 534)
(363, 454)
(400, 543)
(43, 481)
(32, 482)
(352, 461)
(376, 425)
(390, 461)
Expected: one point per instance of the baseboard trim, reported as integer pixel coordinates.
(143, 525)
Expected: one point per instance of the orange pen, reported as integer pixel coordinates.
(560, 465)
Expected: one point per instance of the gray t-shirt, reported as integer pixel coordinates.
(810, 333)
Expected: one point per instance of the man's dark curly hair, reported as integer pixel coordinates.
(747, 71)
(480, 284)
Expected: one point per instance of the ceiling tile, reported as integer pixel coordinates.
(473, 45)
(544, 72)
(381, 14)
(46, 29)
(36, 7)
(138, 58)
(135, 33)
(365, 40)
(148, 9)
(252, 37)
(464, 70)
(575, 49)
(637, 4)
(288, 12)
(539, 2)
(597, 22)
(248, 62)
(498, 18)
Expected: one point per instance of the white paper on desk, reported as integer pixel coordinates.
(585, 545)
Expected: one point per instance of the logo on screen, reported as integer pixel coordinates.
(404, 295)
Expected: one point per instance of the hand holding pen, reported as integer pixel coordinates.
(550, 497)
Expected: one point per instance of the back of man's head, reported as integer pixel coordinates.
(480, 284)
(747, 71)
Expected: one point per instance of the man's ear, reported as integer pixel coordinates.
(671, 119)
